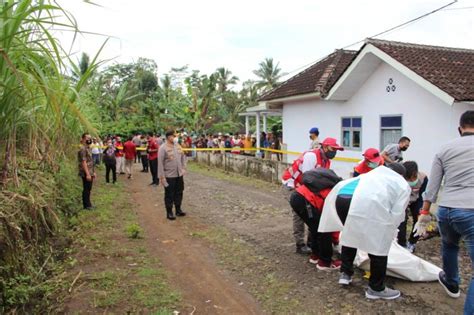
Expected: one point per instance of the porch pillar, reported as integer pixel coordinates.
(265, 123)
(257, 131)
(247, 125)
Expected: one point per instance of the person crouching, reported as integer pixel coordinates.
(307, 202)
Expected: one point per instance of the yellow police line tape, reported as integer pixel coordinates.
(339, 159)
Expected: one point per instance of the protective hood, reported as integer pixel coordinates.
(377, 209)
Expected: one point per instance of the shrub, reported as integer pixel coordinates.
(134, 231)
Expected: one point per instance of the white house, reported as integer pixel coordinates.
(371, 97)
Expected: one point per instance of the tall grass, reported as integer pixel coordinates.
(40, 120)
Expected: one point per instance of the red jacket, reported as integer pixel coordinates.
(130, 150)
(119, 152)
(153, 145)
(316, 200)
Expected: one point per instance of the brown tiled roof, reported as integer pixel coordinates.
(319, 77)
(450, 69)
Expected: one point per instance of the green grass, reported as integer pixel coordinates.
(127, 279)
(231, 177)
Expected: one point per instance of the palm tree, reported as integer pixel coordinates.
(250, 93)
(224, 79)
(117, 103)
(269, 74)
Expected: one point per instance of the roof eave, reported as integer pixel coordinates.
(300, 97)
(369, 48)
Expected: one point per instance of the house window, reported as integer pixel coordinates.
(391, 130)
(352, 133)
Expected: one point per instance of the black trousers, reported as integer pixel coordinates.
(378, 264)
(145, 163)
(413, 209)
(86, 192)
(154, 171)
(174, 193)
(321, 243)
(110, 167)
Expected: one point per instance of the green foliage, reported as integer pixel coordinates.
(134, 231)
(269, 74)
(131, 98)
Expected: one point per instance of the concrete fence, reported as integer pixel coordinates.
(267, 170)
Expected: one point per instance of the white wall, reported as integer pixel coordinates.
(427, 120)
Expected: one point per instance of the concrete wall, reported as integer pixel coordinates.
(426, 119)
(267, 170)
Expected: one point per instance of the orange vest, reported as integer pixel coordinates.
(294, 170)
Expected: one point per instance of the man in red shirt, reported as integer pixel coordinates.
(153, 147)
(119, 156)
(130, 151)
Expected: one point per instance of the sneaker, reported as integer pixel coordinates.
(411, 247)
(345, 279)
(303, 249)
(452, 289)
(334, 265)
(387, 294)
(313, 259)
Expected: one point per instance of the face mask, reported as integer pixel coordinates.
(403, 148)
(372, 164)
(413, 183)
(331, 154)
(175, 140)
(111, 145)
(88, 142)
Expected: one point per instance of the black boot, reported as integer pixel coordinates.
(180, 213)
(169, 215)
(303, 249)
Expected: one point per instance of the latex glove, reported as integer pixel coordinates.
(420, 227)
(424, 218)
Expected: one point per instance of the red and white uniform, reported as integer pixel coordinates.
(307, 161)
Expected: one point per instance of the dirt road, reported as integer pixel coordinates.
(232, 254)
(257, 217)
(204, 287)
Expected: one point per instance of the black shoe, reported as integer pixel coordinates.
(152, 184)
(170, 216)
(452, 289)
(303, 250)
(180, 213)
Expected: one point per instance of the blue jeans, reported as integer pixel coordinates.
(455, 224)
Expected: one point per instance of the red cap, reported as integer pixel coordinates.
(372, 155)
(331, 142)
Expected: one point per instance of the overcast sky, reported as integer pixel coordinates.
(207, 34)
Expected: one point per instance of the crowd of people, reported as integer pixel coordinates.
(162, 157)
(365, 212)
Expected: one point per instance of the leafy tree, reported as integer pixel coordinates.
(269, 74)
(225, 79)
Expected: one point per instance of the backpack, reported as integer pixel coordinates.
(319, 179)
